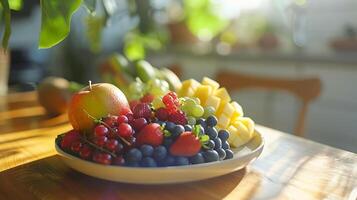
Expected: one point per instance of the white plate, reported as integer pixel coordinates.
(163, 175)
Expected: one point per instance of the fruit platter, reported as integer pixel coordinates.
(153, 132)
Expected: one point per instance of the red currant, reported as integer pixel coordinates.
(119, 160)
(122, 119)
(100, 141)
(85, 152)
(76, 146)
(102, 158)
(139, 123)
(69, 138)
(111, 145)
(125, 130)
(101, 130)
(111, 120)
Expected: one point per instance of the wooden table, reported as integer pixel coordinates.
(289, 168)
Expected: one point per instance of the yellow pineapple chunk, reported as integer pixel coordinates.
(223, 121)
(223, 94)
(238, 110)
(228, 110)
(243, 132)
(188, 88)
(203, 92)
(221, 106)
(249, 123)
(207, 81)
(233, 140)
(213, 101)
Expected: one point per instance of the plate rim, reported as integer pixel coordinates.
(202, 165)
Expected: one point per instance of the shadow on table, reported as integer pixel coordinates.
(51, 178)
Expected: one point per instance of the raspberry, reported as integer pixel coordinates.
(142, 110)
(168, 100)
(133, 104)
(178, 118)
(162, 114)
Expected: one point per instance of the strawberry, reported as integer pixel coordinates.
(142, 110)
(178, 117)
(151, 134)
(187, 144)
(147, 98)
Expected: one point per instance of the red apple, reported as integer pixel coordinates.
(95, 101)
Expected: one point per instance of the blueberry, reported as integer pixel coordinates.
(146, 150)
(188, 127)
(160, 153)
(177, 130)
(217, 143)
(159, 122)
(181, 161)
(148, 162)
(209, 145)
(211, 121)
(223, 134)
(229, 154)
(197, 159)
(135, 164)
(211, 132)
(210, 156)
(225, 145)
(222, 153)
(201, 122)
(133, 155)
(168, 161)
(167, 142)
(169, 126)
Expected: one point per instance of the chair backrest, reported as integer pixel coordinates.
(305, 89)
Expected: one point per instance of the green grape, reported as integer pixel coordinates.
(197, 100)
(157, 103)
(190, 102)
(185, 108)
(191, 120)
(197, 111)
(157, 87)
(209, 110)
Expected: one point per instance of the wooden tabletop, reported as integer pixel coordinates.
(289, 168)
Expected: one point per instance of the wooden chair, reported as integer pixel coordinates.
(306, 89)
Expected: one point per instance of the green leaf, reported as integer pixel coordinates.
(204, 139)
(15, 4)
(95, 25)
(7, 18)
(134, 48)
(56, 20)
(90, 5)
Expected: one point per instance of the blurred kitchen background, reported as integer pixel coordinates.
(268, 38)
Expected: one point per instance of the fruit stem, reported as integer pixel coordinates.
(98, 147)
(90, 84)
(106, 125)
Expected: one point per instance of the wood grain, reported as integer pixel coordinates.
(289, 168)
